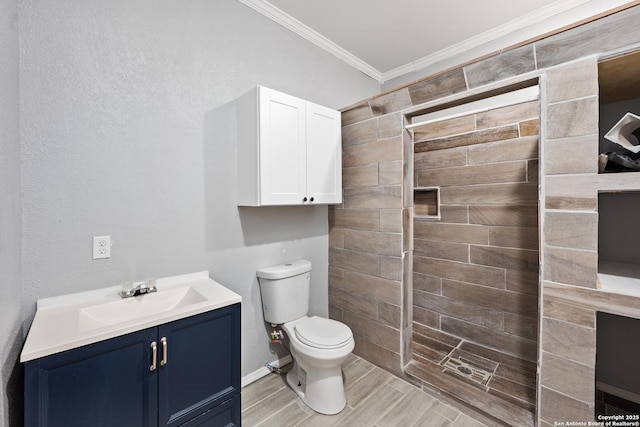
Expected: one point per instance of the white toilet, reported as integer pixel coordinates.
(318, 346)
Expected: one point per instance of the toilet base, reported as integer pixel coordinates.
(321, 390)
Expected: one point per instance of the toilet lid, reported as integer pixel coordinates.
(319, 332)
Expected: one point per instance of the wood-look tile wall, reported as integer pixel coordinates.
(464, 259)
(372, 292)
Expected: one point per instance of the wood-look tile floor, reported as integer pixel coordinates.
(375, 398)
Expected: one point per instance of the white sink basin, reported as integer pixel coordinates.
(128, 309)
(70, 321)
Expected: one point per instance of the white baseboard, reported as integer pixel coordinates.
(264, 371)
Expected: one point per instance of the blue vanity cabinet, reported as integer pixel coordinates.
(196, 380)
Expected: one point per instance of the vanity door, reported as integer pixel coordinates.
(109, 383)
(199, 366)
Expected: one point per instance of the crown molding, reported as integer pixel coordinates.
(292, 24)
(503, 31)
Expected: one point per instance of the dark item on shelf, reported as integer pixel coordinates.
(616, 162)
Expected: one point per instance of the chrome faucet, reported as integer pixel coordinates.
(133, 289)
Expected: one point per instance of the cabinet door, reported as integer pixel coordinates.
(324, 154)
(202, 366)
(282, 149)
(104, 384)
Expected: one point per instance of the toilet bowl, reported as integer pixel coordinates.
(318, 345)
(316, 375)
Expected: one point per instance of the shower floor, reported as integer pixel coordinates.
(500, 385)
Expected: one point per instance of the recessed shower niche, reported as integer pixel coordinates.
(617, 376)
(618, 237)
(619, 93)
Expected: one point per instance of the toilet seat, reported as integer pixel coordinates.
(322, 333)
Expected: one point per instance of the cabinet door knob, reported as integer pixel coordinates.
(154, 356)
(304, 200)
(164, 360)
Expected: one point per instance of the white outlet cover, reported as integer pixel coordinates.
(101, 247)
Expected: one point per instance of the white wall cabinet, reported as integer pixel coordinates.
(289, 150)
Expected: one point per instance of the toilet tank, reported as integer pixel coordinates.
(284, 289)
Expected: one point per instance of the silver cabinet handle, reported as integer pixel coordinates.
(164, 360)
(154, 357)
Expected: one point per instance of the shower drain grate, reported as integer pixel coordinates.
(464, 369)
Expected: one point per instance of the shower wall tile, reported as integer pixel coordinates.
(359, 133)
(512, 114)
(372, 242)
(390, 173)
(390, 125)
(569, 341)
(436, 130)
(391, 267)
(469, 175)
(522, 326)
(574, 155)
(353, 260)
(504, 215)
(507, 258)
(391, 102)
(360, 176)
(377, 287)
(431, 284)
(442, 250)
(477, 274)
(373, 331)
(568, 377)
(571, 266)
(557, 406)
(523, 282)
(525, 148)
(498, 67)
(440, 159)
(577, 230)
(336, 277)
(469, 312)
(603, 35)
(426, 317)
(483, 136)
(491, 338)
(389, 197)
(391, 220)
(514, 237)
(377, 151)
(560, 309)
(445, 84)
(356, 114)
(355, 219)
(454, 214)
(456, 233)
(577, 79)
(572, 118)
(336, 237)
(357, 303)
(499, 194)
(389, 314)
(499, 299)
(530, 127)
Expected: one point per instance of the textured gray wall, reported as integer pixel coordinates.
(10, 217)
(128, 128)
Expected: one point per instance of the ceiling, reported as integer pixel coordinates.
(386, 39)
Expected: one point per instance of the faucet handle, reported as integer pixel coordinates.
(126, 288)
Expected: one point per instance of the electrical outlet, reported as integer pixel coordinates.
(101, 247)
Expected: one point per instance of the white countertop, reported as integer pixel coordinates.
(65, 322)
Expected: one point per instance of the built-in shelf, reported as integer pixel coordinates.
(618, 277)
(426, 201)
(618, 242)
